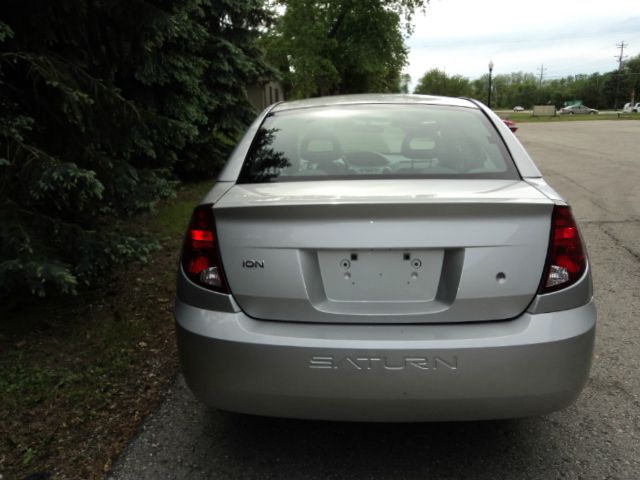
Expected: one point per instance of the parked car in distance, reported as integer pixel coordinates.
(384, 258)
(577, 109)
(518, 109)
(512, 126)
(631, 108)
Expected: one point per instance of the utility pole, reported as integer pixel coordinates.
(489, 93)
(542, 70)
(621, 58)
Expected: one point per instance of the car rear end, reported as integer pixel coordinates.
(384, 259)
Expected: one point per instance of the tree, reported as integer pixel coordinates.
(347, 46)
(437, 82)
(100, 103)
(627, 82)
(596, 90)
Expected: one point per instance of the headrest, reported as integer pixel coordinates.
(319, 147)
(420, 144)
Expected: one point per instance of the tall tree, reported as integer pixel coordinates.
(437, 82)
(341, 46)
(99, 103)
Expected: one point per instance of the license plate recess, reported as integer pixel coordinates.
(380, 275)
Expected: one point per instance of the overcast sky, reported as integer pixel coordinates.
(567, 36)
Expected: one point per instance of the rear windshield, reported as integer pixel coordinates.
(376, 141)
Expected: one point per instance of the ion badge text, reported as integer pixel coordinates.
(253, 264)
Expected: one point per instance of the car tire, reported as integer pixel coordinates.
(571, 113)
(592, 113)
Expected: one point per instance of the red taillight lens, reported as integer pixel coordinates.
(200, 255)
(566, 261)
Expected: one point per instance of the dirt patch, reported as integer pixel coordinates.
(77, 375)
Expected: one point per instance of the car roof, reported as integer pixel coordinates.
(377, 98)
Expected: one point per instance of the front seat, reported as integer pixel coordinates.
(322, 150)
(419, 144)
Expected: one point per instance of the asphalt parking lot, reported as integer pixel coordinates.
(596, 166)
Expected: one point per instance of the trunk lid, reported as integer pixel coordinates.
(384, 251)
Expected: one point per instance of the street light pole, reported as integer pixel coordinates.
(490, 72)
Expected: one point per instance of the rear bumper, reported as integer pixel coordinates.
(531, 365)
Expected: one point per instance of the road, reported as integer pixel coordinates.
(596, 166)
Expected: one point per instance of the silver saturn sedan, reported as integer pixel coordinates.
(384, 258)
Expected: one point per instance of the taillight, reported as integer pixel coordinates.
(200, 255)
(566, 261)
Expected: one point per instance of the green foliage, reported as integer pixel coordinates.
(101, 105)
(436, 82)
(608, 90)
(340, 46)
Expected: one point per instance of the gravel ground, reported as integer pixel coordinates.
(596, 166)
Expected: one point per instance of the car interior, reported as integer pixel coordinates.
(376, 145)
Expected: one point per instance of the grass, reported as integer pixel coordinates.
(526, 117)
(77, 375)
